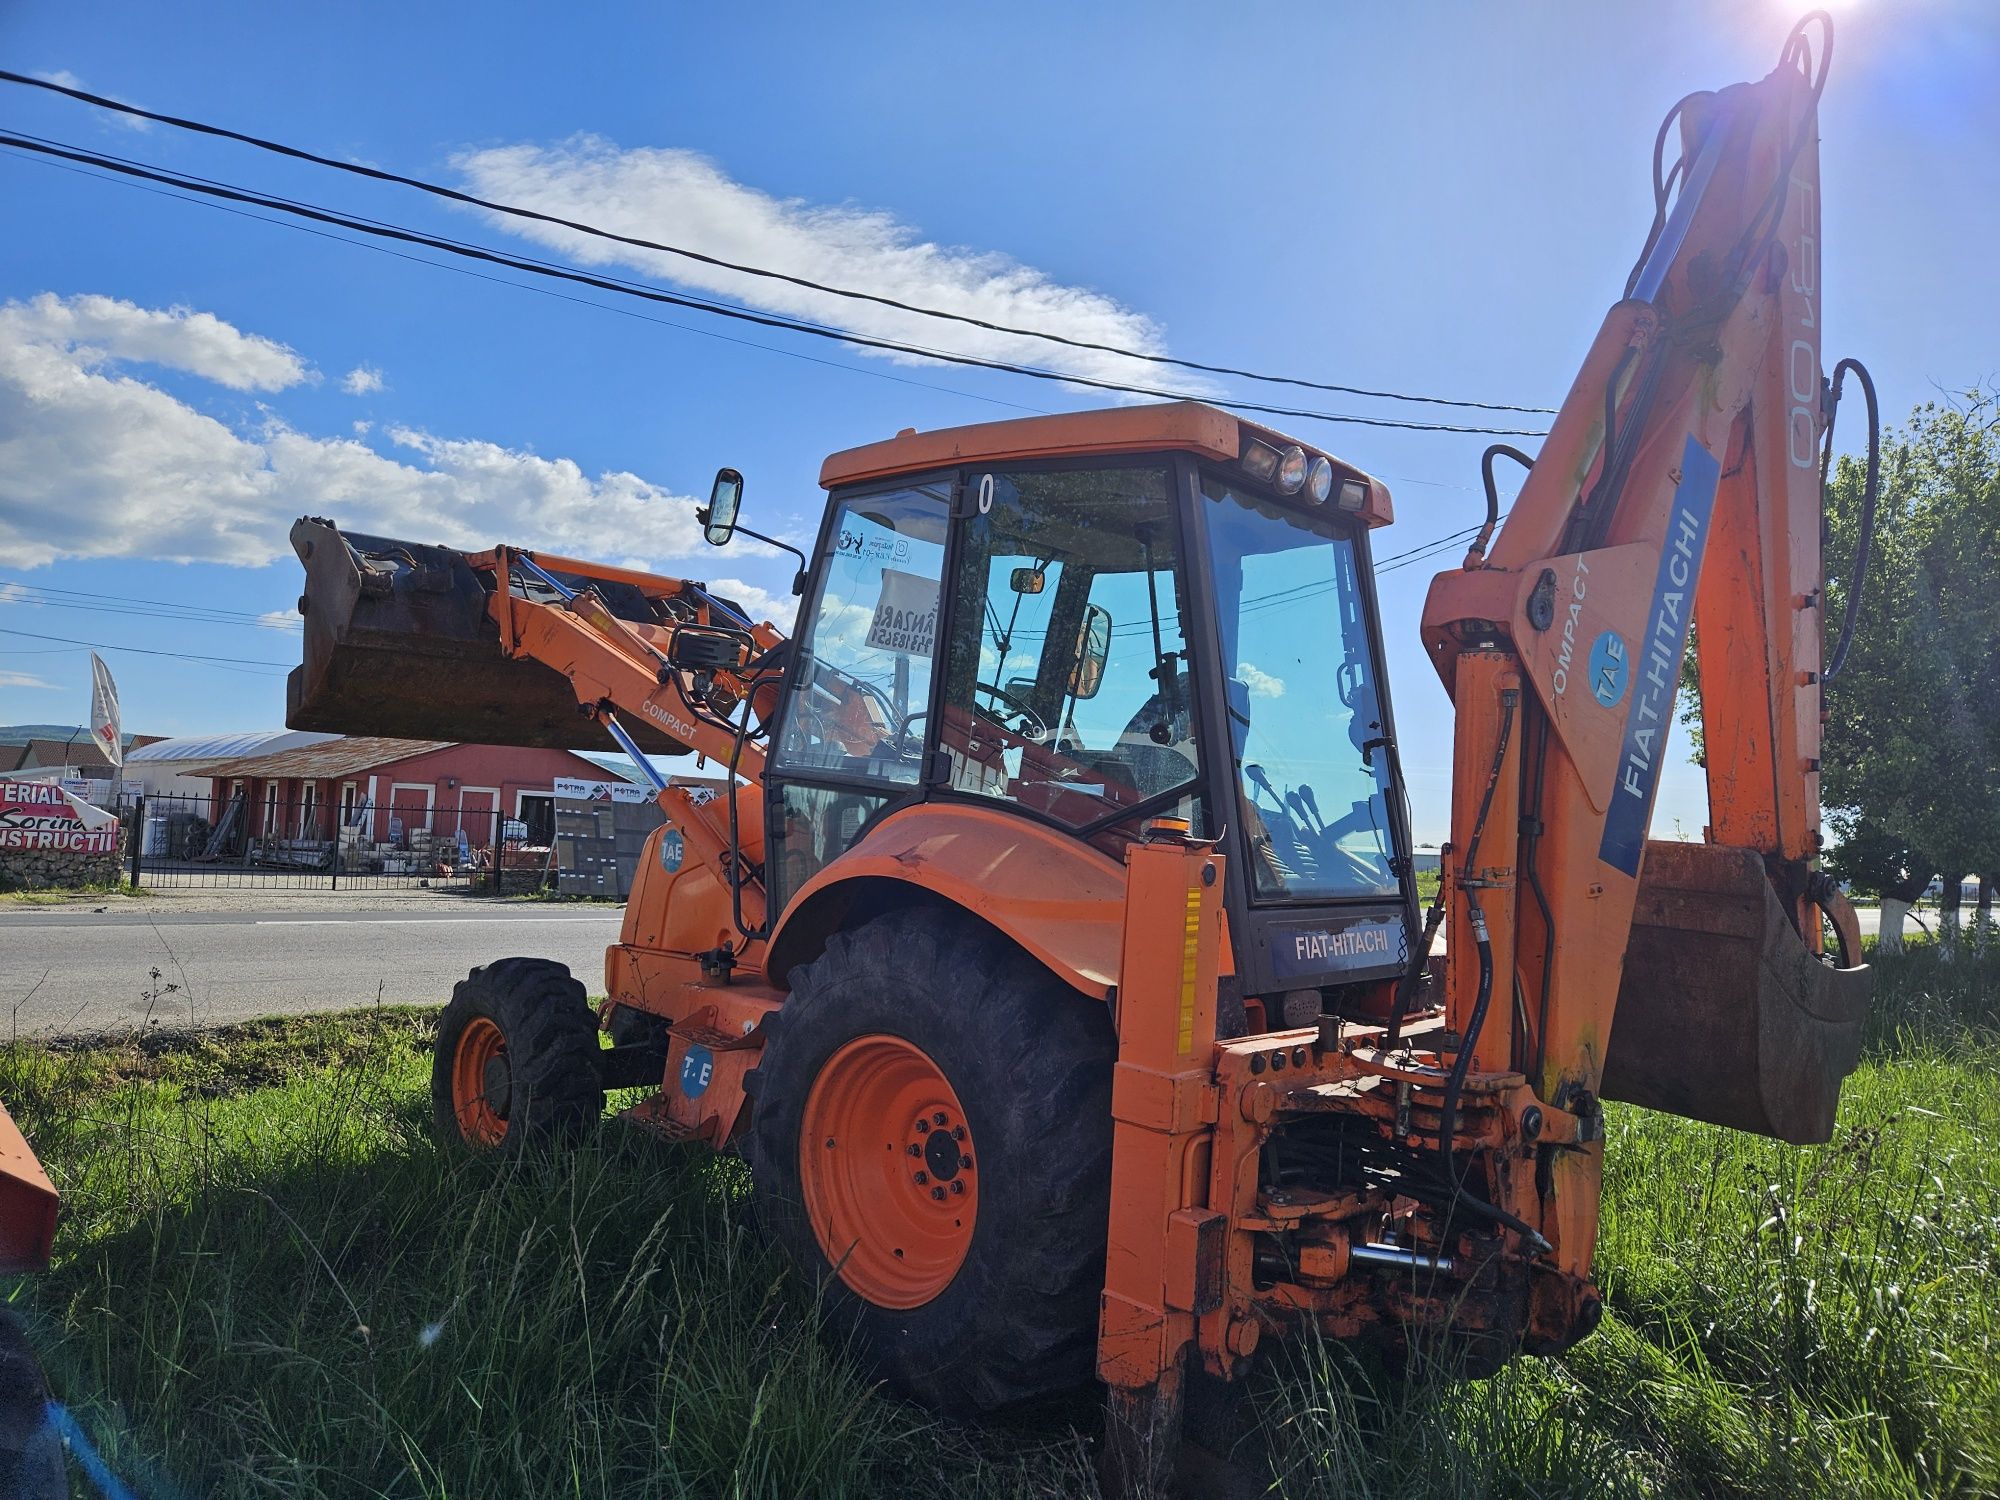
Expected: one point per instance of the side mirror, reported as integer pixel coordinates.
(1093, 650)
(1028, 580)
(725, 498)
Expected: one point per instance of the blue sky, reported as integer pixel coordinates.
(1433, 198)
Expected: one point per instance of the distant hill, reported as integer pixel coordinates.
(20, 734)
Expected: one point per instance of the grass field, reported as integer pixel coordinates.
(271, 1283)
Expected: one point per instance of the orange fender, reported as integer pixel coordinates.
(1060, 899)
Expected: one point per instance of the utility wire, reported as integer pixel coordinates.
(791, 325)
(438, 190)
(241, 661)
(545, 291)
(47, 596)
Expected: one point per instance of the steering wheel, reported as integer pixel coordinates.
(1028, 724)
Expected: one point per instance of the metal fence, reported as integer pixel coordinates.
(254, 843)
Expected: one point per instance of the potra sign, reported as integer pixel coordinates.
(41, 815)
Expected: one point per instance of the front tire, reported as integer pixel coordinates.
(517, 1057)
(931, 1141)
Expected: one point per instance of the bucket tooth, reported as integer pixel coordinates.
(1724, 1014)
(399, 642)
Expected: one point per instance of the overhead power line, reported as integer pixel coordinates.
(46, 596)
(229, 661)
(546, 291)
(381, 229)
(439, 190)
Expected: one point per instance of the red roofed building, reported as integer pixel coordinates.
(388, 787)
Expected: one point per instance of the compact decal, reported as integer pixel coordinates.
(697, 1068)
(673, 849)
(1659, 664)
(1610, 668)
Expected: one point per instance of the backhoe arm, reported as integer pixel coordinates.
(1678, 489)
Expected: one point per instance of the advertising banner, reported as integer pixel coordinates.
(41, 815)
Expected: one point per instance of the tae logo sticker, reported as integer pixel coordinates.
(1610, 668)
(697, 1068)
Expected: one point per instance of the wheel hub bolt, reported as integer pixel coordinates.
(965, 1164)
(938, 1193)
(922, 1178)
(938, 1119)
(958, 1187)
(914, 1150)
(958, 1132)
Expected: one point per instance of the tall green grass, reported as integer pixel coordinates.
(271, 1282)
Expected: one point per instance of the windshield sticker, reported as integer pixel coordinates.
(905, 614)
(871, 546)
(1660, 651)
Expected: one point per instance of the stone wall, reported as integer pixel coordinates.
(54, 869)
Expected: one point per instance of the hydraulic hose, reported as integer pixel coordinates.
(1510, 701)
(1864, 543)
(1476, 553)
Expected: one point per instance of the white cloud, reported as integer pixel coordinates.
(759, 604)
(98, 464)
(362, 380)
(88, 332)
(1261, 684)
(21, 680)
(13, 593)
(362, 429)
(683, 198)
(69, 80)
(280, 619)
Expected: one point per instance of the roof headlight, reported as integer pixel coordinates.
(1319, 481)
(1292, 471)
(1353, 494)
(1260, 460)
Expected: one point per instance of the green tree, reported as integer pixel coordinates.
(1912, 754)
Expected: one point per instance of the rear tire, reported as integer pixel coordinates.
(935, 1006)
(517, 1057)
(31, 1455)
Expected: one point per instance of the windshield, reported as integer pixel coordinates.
(863, 676)
(1305, 719)
(1066, 687)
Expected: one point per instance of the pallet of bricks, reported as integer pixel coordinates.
(601, 832)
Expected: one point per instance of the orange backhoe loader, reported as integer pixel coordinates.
(1054, 953)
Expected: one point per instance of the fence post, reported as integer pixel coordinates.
(493, 866)
(138, 836)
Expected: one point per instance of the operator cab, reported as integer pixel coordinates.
(1096, 619)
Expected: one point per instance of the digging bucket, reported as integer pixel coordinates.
(1724, 1015)
(398, 642)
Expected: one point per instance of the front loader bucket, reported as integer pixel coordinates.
(1724, 1015)
(398, 642)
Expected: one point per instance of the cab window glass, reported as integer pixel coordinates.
(862, 684)
(1306, 723)
(1067, 689)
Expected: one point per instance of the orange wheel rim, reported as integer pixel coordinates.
(888, 1170)
(480, 1045)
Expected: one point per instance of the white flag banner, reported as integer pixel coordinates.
(104, 725)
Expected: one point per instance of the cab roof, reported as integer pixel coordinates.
(1186, 426)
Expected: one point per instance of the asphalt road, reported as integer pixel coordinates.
(65, 970)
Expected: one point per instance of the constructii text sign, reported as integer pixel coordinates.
(41, 815)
